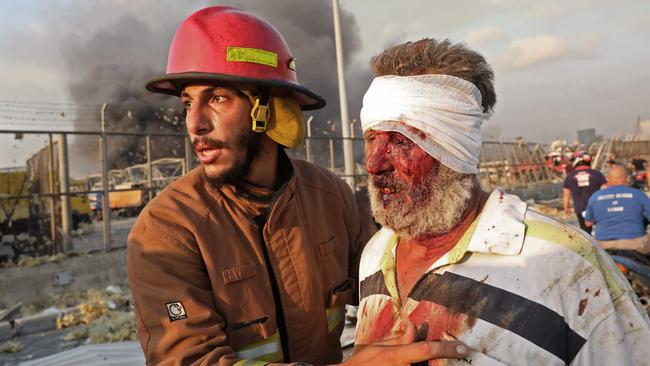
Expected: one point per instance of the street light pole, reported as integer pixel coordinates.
(348, 148)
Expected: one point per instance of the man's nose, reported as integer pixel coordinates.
(378, 159)
(197, 121)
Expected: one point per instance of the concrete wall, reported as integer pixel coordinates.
(28, 284)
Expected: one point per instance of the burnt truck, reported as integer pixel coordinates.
(129, 187)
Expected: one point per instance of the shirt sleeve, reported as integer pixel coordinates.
(176, 316)
(619, 339)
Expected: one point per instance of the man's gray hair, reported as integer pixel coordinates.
(430, 56)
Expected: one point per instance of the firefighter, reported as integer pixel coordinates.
(579, 185)
(250, 258)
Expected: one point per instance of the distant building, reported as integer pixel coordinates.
(587, 136)
(643, 127)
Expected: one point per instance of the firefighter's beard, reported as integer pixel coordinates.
(433, 208)
(249, 147)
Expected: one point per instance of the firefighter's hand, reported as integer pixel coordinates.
(406, 354)
(403, 350)
(567, 211)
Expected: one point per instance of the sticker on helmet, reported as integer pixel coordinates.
(292, 64)
(176, 311)
(252, 55)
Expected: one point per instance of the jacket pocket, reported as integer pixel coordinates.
(340, 295)
(238, 273)
(327, 246)
(256, 339)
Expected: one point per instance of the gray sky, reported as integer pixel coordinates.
(559, 65)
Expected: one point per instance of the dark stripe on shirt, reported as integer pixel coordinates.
(373, 285)
(530, 320)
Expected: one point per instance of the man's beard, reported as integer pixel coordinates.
(250, 142)
(431, 209)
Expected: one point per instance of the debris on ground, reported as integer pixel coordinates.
(11, 312)
(105, 314)
(11, 347)
(114, 326)
(100, 315)
(29, 261)
(547, 210)
(553, 208)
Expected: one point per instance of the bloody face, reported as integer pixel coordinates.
(218, 123)
(398, 167)
(410, 191)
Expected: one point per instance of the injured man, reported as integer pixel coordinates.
(515, 286)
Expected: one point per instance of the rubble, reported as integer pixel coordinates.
(37, 323)
(99, 316)
(8, 314)
(11, 347)
(6, 331)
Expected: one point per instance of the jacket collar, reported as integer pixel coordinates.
(256, 200)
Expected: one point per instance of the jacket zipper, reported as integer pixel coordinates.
(279, 311)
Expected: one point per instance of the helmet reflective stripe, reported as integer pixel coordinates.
(224, 44)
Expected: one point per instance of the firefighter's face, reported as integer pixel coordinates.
(218, 123)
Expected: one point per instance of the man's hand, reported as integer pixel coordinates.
(402, 351)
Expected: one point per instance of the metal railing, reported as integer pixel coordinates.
(506, 164)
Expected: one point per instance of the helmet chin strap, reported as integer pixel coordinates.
(260, 113)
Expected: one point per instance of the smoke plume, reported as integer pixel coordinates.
(110, 64)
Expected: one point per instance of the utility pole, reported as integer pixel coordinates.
(348, 147)
(106, 210)
(64, 184)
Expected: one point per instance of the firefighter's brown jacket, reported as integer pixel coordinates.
(199, 270)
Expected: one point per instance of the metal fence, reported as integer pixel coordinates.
(513, 164)
(506, 164)
(50, 191)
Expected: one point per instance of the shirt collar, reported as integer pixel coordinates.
(498, 229)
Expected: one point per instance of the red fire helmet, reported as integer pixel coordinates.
(225, 44)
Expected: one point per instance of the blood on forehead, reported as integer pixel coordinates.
(417, 132)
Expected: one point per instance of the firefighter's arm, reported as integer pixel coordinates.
(176, 316)
(360, 227)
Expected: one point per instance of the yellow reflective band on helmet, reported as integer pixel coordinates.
(268, 350)
(252, 55)
(334, 317)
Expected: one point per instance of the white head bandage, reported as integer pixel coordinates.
(442, 114)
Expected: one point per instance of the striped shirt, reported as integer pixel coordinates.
(518, 288)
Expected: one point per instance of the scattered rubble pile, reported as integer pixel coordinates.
(11, 347)
(98, 315)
